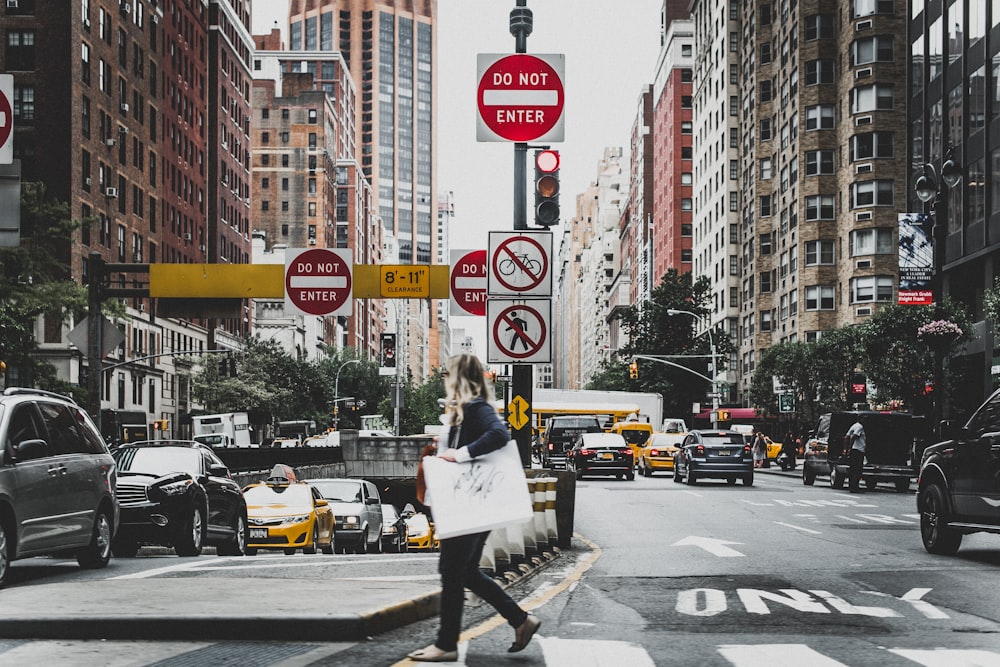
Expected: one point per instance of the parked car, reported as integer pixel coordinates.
(560, 433)
(420, 531)
(958, 489)
(358, 507)
(889, 453)
(658, 454)
(57, 481)
(394, 534)
(714, 454)
(601, 454)
(177, 493)
(814, 460)
(286, 442)
(284, 513)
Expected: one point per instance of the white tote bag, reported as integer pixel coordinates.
(479, 495)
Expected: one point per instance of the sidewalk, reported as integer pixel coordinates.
(223, 605)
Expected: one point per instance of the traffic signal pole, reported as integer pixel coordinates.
(521, 375)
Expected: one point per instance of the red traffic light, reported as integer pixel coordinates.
(547, 161)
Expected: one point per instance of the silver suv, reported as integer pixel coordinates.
(57, 481)
(357, 506)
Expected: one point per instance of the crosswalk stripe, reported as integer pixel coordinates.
(593, 653)
(941, 657)
(775, 655)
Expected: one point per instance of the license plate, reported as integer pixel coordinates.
(723, 452)
(607, 456)
(258, 533)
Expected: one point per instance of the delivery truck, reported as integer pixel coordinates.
(229, 429)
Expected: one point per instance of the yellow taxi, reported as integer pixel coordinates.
(635, 434)
(284, 513)
(420, 531)
(773, 448)
(658, 454)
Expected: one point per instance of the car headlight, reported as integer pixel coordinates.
(351, 520)
(176, 488)
(299, 518)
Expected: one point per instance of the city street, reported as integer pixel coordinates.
(661, 574)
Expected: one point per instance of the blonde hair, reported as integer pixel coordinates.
(465, 381)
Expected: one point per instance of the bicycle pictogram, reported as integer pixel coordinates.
(519, 262)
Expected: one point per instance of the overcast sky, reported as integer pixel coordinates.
(610, 47)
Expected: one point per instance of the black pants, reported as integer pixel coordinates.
(857, 462)
(459, 568)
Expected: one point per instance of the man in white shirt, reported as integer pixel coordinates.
(855, 440)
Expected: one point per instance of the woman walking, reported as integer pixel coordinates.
(759, 448)
(475, 430)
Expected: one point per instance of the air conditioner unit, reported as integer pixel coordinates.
(202, 248)
(863, 312)
(86, 181)
(224, 144)
(864, 215)
(109, 141)
(862, 120)
(126, 7)
(86, 23)
(11, 4)
(863, 73)
(156, 18)
(312, 241)
(865, 168)
(125, 107)
(142, 308)
(187, 237)
(863, 25)
(111, 193)
(863, 264)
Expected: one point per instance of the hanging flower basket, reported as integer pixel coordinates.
(939, 334)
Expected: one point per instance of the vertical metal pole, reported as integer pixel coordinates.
(94, 333)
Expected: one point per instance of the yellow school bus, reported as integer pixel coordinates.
(635, 433)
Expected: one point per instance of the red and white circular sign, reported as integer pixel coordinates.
(520, 98)
(318, 281)
(468, 282)
(6, 118)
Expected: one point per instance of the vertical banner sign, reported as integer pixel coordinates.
(520, 97)
(6, 119)
(468, 282)
(916, 259)
(318, 281)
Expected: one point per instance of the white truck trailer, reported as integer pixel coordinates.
(650, 403)
(229, 429)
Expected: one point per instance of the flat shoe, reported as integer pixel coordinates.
(433, 654)
(524, 633)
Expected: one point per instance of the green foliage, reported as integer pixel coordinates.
(991, 303)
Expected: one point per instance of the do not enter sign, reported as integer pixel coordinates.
(520, 97)
(318, 281)
(468, 282)
(6, 119)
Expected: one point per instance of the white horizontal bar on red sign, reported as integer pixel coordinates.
(520, 98)
(470, 283)
(308, 282)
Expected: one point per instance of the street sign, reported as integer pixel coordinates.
(405, 281)
(318, 281)
(517, 413)
(786, 402)
(519, 331)
(6, 119)
(519, 264)
(468, 282)
(520, 97)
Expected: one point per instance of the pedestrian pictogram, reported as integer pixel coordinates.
(318, 281)
(6, 119)
(520, 97)
(468, 282)
(519, 330)
(519, 264)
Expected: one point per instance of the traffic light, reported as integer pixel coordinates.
(633, 370)
(388, 357)
(722, 415)
(160, 424)
(546, 188)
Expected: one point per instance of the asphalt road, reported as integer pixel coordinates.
(661, 574)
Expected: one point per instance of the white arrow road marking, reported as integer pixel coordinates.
(711, 545)
(941, 657)
(775, 655)
(593, 653)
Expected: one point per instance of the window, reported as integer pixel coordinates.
(819, 252)
(686, 178)
(685, 101)
(819, 26)
(765, 53)
(871, 193)
(877, 97)
(685, 127)
(265, 137)
(869, 7)
(875, 241)
(24, 103)
(819, 163)
(820, 117)
(20, 50)
(686, 152)
(819, 207)
(765, 244)
(765, 129)
(765, 168)
(312, 116)
(819, 72)
(265, 183)
(686, 204)
(85, 63)
(819, 297)
(765, 206)
(871, 288)
(765, 282)
(765, 91)
(877, 49)
(765, 320)
(871, 145)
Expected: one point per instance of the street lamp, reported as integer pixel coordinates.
(336, 392)
(714, 371)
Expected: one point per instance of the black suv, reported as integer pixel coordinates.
(958, 491)
(178, 493)
(560, 434)
(57, 481)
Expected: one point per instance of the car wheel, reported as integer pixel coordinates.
(836, 479)
(647, 471)
(122, 548)
(404, 543)
(731, 481)
(97, 554)
(630, 476)
(4, 555)
(313, 545)
(748, 479)
(902, 485)
(870, 483)
(329, 547)
(808, 476)
(677, 473)
(237, 546)
(290, 551)
(190, 536)
(937, 536)
(379, 547)
(691, 478)
(362, 547)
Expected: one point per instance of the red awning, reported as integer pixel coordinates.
(735, 414)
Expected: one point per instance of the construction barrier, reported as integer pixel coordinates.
(552, 529)
(512, 545)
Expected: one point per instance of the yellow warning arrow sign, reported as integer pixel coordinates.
(517, 413)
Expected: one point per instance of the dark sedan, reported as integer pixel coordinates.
(601, 454)
(177, 493)
(714, 454)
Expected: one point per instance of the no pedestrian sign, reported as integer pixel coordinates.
(519, 331)
(520, 97)
(318, 281)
